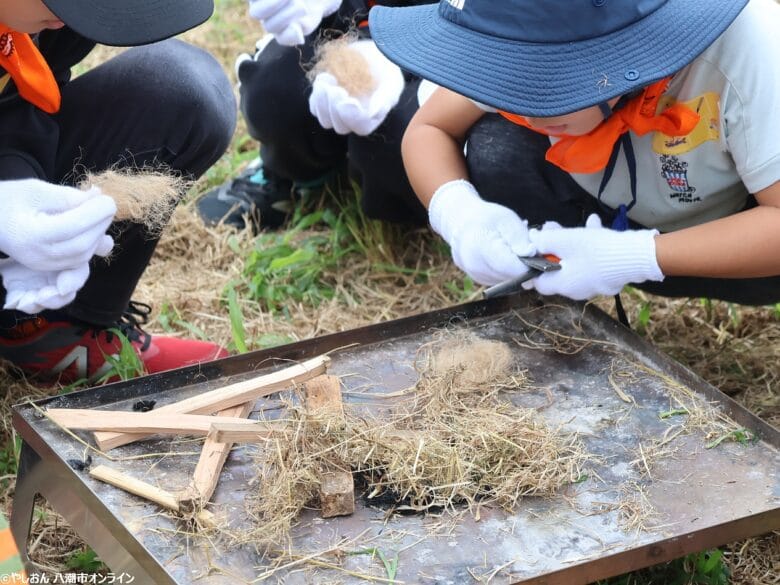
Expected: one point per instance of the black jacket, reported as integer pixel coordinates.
(29, 136)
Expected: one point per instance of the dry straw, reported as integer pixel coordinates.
(458, 441)
(755, 561)
(691, 410)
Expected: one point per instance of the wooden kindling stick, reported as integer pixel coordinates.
(144, 490)
(225, 397)
(139, 422)
(229, 432)
(212, 458)
(135, 486)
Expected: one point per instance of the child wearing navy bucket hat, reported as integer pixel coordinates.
(641, 136)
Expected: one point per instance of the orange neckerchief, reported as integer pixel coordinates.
(590, 153)
(24, 63)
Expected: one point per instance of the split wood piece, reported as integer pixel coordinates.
(323, 394)
(212, 458)
(145, 490)
(141, 422)
(337, 494)
(226, 397)
(229, 432)
(337, 488)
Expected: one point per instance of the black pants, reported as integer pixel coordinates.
(506, 164)
(275, 104)
(163, 104)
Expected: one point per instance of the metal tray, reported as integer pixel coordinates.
(701, 497)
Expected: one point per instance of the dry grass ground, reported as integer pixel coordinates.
(735, 348)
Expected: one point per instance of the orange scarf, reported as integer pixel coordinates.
(590, 153)
(24, 63)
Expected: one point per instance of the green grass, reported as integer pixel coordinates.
(272, 340)
(390, 565)
(85, 561)
(299, 265)
(9, 459)
(704, 568)
(170, 320)
(462, 290)
(289, 267)
(126, 364)
(236, 321)
(741, 436)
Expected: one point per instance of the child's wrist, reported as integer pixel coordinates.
(635, 260)
(448, 202)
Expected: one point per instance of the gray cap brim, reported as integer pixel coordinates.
(130, 22)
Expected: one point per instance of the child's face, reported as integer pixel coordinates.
(27, 16)
(574, 124)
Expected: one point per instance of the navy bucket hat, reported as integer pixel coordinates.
(130, 22)
(549, 57)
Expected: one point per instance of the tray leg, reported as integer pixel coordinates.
(24, 500)
(38, 477)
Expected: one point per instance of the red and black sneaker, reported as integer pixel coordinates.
(54, 350)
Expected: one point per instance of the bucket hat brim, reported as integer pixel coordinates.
(128, 22)
(539, 79)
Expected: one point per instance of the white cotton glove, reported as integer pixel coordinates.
(594, 260)
(332, 105)
(50, 227)
(486, 238)
(32, 291)
(289, 21)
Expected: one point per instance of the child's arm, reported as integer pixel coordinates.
(432, 146)
(485, 238)
(743, 245)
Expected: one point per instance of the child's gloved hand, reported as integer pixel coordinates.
(32, 291)
(335, 108)
(594, 260)
(50, 227)
(486, 238)
(291, 20)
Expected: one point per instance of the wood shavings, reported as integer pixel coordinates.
(472, 362)
(143, 196)
(347, 65)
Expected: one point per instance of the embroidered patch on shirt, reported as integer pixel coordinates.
(707, 129)
(675, 172)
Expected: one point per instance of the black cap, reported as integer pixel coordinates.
(130, 22)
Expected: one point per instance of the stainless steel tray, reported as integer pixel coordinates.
(701, 497)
